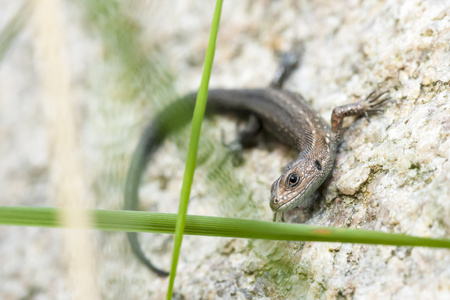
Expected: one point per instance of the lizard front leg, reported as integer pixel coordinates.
(372, 104)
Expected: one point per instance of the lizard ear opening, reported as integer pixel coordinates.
(318, 165)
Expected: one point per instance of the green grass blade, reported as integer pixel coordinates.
(136, 221)
(193, 146)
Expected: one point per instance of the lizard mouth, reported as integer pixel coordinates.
(286, 205)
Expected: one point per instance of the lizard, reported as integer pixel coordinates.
(282, 114)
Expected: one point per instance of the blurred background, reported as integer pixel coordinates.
(79, 80)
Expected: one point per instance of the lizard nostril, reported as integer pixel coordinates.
(274, 204)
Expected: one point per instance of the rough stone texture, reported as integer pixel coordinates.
(351, 181)
(351, 48)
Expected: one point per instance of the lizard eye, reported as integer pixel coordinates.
(292, 180)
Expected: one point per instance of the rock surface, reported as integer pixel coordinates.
(392, 174)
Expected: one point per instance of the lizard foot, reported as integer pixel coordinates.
(374, 102)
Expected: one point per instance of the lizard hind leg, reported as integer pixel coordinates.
(289, 62)
(249, 136)
(246, 138)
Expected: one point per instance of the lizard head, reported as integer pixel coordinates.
(297, 182)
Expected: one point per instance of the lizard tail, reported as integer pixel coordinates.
(170, 119)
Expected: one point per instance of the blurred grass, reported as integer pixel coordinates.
(141, 72)
(129, 84)
(13, 28)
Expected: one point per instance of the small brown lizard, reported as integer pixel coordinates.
(283, 114)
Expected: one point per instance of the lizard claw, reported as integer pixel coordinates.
(374, 102)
